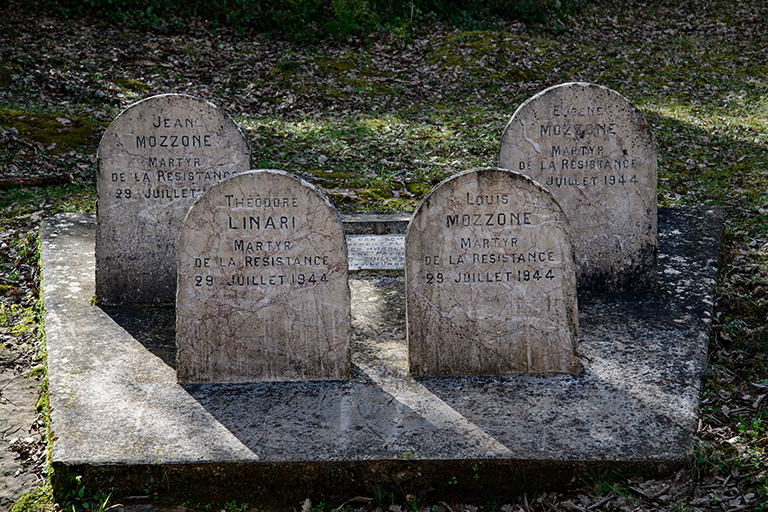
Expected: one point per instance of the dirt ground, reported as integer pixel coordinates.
(21, 436)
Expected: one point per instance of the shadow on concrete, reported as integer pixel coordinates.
(152, 326)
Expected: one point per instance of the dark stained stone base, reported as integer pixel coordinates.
(119, 417)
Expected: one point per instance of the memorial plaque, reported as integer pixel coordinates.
(262, 284)
(154, 160)
(376, 252)
(490, 279)
(594, 151)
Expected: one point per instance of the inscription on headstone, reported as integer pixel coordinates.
(594, 151)
(154, 160)
(376, 252)
(490, 279)
(262, 284)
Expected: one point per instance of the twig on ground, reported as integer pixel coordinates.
(603, 501)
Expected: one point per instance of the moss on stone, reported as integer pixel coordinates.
(375, 194)
(67, 133)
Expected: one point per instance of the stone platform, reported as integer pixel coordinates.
(119, 417)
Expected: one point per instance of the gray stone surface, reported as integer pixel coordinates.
(156, 157)
(490, 279)
(116, 404)
(594, 151)
(262, 284)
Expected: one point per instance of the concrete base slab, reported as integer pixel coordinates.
(117, 409)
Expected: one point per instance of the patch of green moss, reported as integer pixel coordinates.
(335, 93)
(335, 67)
(69, 197)
(375, 194)
(133, 85)
(331, 179)
(488, 55)
(67, 133)
(418, 189)
(38, 371)
(381, 89)
(39, 500)
(43, 405)
(449, 53)
(283, 67)
(19, 320)
(5, 288)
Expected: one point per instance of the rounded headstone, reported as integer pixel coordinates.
(262, 284)
(490, 279)
(154, 160)
(594, 151)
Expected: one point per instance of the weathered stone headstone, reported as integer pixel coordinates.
(154, 160)
(594, 151)
(490, 279)
(262, 284)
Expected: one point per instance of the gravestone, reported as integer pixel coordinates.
(154, 160)
(594, 151)
(490, 279)
(262, 284)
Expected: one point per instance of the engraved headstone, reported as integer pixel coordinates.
(154, 160)
(594, 151)
(490, 279)
(262, 284)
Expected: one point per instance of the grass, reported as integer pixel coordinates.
(16, 203)
(373, 155)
